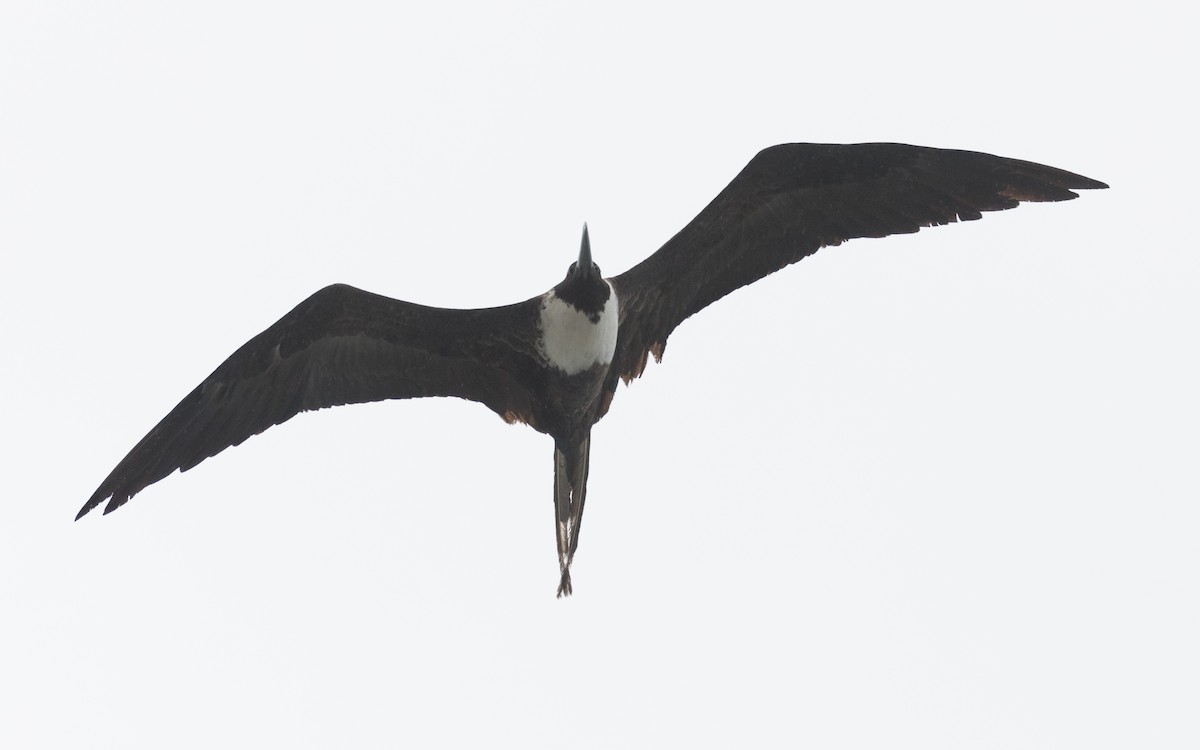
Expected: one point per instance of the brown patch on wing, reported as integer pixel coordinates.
(513, 417)
(657, 350)
(1036, 194)
(639, 366)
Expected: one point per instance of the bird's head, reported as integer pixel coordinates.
(584, 287)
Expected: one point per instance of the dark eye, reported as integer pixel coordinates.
(596, 268)
(573, 268)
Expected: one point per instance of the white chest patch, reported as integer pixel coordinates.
(571, 342)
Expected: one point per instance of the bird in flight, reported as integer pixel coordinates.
(553, 362)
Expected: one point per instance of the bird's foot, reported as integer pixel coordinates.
(564, 585)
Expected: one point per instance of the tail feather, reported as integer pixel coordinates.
(570, 491)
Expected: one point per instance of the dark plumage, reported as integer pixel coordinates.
(343, 345)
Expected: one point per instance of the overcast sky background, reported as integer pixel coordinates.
(934, 491)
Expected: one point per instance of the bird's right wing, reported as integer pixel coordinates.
(795, 198)
(340, 346)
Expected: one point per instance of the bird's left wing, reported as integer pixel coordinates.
(340, 346)
(793, 199)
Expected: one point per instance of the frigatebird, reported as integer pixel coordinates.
(553, 362)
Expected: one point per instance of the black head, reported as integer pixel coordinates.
(584, 287)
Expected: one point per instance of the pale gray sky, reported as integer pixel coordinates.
(935, 491)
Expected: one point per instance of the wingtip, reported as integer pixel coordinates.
(1070, 181)
(1079, 182)
(97, 500)
(90, 505)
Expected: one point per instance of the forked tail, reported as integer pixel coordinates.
(570, 490)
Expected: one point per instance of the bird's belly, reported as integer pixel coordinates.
(572, 341)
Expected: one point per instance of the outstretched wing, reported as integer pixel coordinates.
(340, 346)
(793, 199)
